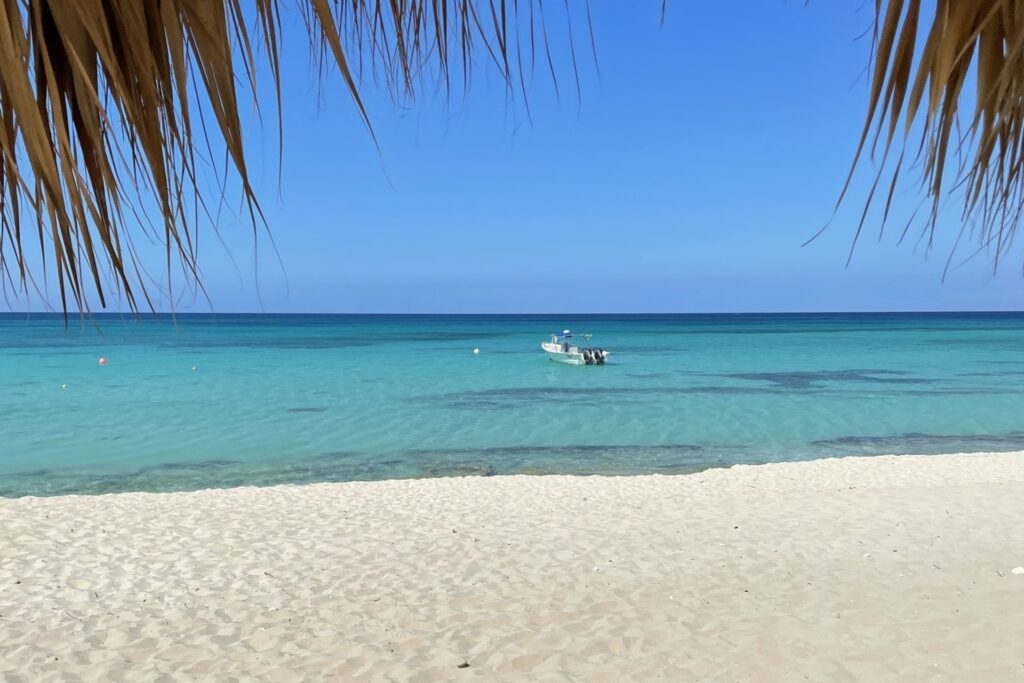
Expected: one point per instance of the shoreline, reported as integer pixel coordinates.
(529, 474)
(849, 568)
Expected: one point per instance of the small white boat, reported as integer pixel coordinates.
(562, 349)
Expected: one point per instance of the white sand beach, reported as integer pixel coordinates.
(867, 569)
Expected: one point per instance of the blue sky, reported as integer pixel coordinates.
(702, 154)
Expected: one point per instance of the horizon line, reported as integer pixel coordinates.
(140, 314)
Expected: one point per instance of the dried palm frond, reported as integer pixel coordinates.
(103, 105)
(920, 76)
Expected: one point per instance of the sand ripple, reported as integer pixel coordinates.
(887, 568)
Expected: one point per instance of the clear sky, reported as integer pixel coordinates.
(702, 154)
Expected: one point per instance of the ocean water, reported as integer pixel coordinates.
(228, 400)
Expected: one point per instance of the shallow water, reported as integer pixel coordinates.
(277, 399)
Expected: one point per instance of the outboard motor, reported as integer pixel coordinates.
(599, 354)
(588, 357)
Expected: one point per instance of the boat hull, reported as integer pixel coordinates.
(567, 358)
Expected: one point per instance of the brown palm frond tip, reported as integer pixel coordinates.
(101, 129)
(918, 78)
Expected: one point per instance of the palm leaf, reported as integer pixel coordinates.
(917, 88)
(104, 106)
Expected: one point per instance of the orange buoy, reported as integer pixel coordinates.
(103, 360)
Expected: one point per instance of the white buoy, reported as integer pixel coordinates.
(476, 352)
(193, 368)
(63, 386)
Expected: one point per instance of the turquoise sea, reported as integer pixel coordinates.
(229, 400)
